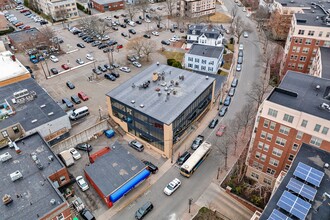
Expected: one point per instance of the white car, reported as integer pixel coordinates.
(147, 20)
(53, 58)
(241, 47)
(137, 64)
(244, 9)
(80, 61)
(176, 37)
(125, 69)
(75, 154)
(172, 39)
(245, 34)
(108, 18)
(155, 33)
(82, 183)
(172, 186)
(89, 57)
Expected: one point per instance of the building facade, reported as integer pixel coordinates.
(108, 5)
(308, 32)
(294, 113)
(158, 105)
(321, 63)
(205, 35)
(202, 58)
(195, 8)
(59, 10)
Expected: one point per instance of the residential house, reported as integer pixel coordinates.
(195, 8)
(204, 34)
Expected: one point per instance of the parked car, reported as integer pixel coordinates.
(84, 147)
(240, 53)
(87, 215)
(223, 111)
(70, 85)
(239, 60)
(172, 186)
(102, 46)
(82, 183)
(114, 28)
(53, 58)
(197, 142)
(123, 25)
(54, 71)
(110, 76)
(115, 65)
(80, 61)
(227, 101)
(245, 34)
(125, 69)
(221, 130)
(124, 34)
(116, 16)
(65, 66)
(144, 210)
(240, 47)
(108, 67)
(238, 67)
(75, 154)
(136, 145)
(119, 46)
(234, 82)
(213, 123)
(75, 99)
(132, 31)
(138, 22)
(43, 22)
(97, 71)
(166, 42)
(81, 45)
(89, 57)
(155, 33)
(82, 96)
(67, 102)
(115, 74)
(146, 36)
(137, 64)
(183, 158)
(150, 166)
(102, 68)
(96, 43)
(231, 91)
(29, 69)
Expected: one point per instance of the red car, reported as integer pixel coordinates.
(26, 27)
(82, 96)
(119, 46)
(221, 130)
(65, 66)
(24, 10)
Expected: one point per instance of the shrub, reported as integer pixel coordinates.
(177, 64)
(232, 40)
(170, 62)
(11, 29)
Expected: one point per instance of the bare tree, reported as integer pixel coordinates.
(93, 24)
(222, 144)
(170, 6)
(148, 48)
(60, 15)
(136, 45)
(239, 27)
(246, 116)
(261, 16)
(258, 91)
(142, 6)
(233, 132)
(131, 10)
(233, 13)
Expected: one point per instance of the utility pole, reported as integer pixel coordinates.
(43, 70)
(190, 202)
(47, 67)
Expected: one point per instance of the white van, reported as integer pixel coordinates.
(79, 113)
(131, 23)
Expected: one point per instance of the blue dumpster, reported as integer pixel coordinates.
(109, 133)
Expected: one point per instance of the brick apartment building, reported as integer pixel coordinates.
(308, 32)
(195, 8)
(296, 112)
(108, 5)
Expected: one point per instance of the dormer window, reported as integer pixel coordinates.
(193, 32)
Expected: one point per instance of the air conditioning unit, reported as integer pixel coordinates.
(16, 175)
(4, 157)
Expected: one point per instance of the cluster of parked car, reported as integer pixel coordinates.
(240, 58)
(227, 101)
(74, 98)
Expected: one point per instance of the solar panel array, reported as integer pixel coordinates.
(302, 189)
(294, 205)
(308, 174)
(277, 215)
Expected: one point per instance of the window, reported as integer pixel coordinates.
(314, 51)
(305, 50)
(287, 167)
(301, 32)
(317, 42)
(190, 59)
(308, 41)
(325, 130)
(294, 48)
(190, 65)
(16, 129)
(320, 33)
(300, 66)
(263, 134)
(210, 69)
(316, 141)
(311, 33)
(257, 165)
(299, 135)
(284, 130)
(203, 61)
(260, 145)
(272, 126)
(266, 147)
(277, 152)
(254, 175)
(295, 146)
(269, 137)
(270, 171)
(298, 50)
(203, 67)
(258, 155)
(304, 123)
(280, 141)
(211, 63)
(288, 118)
(317, 127)
(272, 112)
(302, 59)
(328, 34)
(273, 162)
(197, 60)
(196, 66)
(291, 156)
(267, 181)
(4, 134)
(266, 123)
(263, 157)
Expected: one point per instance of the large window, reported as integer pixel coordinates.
(272, 112)
(273, 162)
(288, 118)
(284, 130)
(304, 123)
(280, 141)
(325, 130)
(317, 127)
(277, 152)
(316, 141)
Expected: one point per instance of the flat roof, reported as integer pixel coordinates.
(300, 3)
(325, 62)
(23, 35)
(31, 194)
(163, 107)
(313, 19)
(206, 51)
(114, 168)
(31, 114)
(9, 68)
(104, 2)
(303, 93)
(315, 158)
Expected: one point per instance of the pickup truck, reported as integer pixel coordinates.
(197, 142)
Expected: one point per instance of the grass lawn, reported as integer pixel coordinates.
(206, 214)
(220, 18)
(173, 55)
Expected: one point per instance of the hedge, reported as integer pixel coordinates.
(11, 29)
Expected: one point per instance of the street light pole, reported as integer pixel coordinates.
(190, 202)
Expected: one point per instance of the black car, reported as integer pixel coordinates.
(150, 166)
(76, 32)
(213, 123)
(43, 22)
(84, 147)
(81, 34)
(108, 67)
(89, 40)
(97, 72)
(102, 68)
(144, 210)
(96, 43)
(223, 111)
(138, 22)
(67, 102)
(183, 158)
(54, 71)
(29, 69)
(106, 50)
(112, 42)
(115, 74)
(85, 37)
(140, 17)
(132, 31)
(123, 25)
(124, 34)
(81, 45)
(116, 16)
(147, 36)
(87, 215)
(165, 42)
(126, 20)
(148, 16)
(110, 77)
(70, 85)
(124, 15)
(115, 28)
(102, 46)
(172, 30)
(75, 99)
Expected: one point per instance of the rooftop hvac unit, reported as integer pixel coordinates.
(52, 201)
(4, 157)
(16, 175)
(20, 94)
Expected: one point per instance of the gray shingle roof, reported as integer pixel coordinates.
(206, 51)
